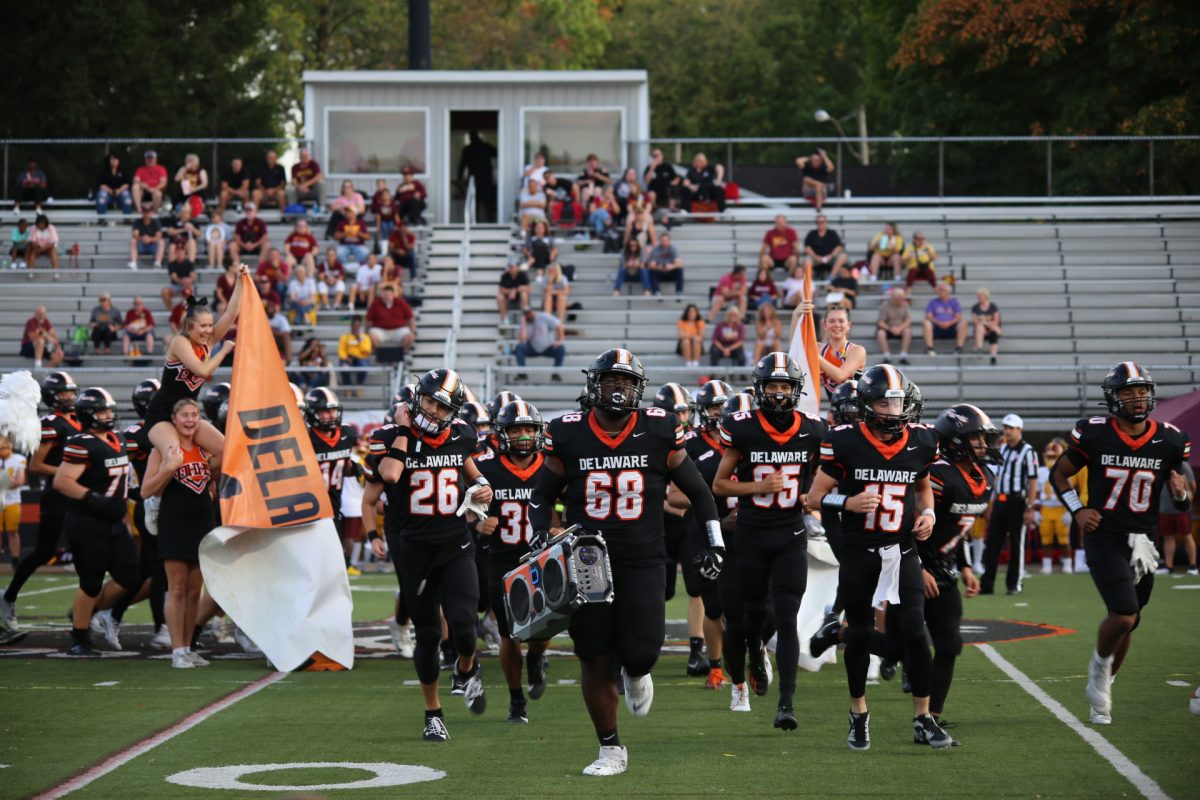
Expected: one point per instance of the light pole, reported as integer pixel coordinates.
(860, 113)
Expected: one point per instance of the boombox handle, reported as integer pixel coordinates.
(573, 531)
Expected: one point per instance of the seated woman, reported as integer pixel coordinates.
(885, 250)
(768, 331)
(691, 335)
(556, 292)
(539, 248)
(312, 355)
(729, 340)
(632, 268)
(986, 317)
(302, 297)
(400, 246)
(920, 259)
(763, 290)
(603, 210)
(43, 241)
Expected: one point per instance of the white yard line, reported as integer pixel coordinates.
(1119, 761)
(118, 760)
(67, 588)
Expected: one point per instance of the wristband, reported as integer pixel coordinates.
(715, 539)
(1071, 500)
(481, 481)
(373, 535)
(833, 502)
(929, 512)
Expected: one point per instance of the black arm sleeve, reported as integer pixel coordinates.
(545, 494)
(691, 483)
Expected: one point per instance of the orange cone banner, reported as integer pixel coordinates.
(270, 474)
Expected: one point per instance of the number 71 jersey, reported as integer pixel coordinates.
(765, 450)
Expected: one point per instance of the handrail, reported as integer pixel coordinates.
(450, 352)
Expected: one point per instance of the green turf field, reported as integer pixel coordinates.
(57, 721)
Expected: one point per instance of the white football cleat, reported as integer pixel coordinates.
(151, 505)
(612, 761)
(245, 642)
(1099, 688)
(1097, 717)
(740, 698)
(110, 628)
(8, 614)
(639, 694)
(162, 639)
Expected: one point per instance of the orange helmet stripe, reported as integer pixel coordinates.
(1132, 369)
(450, 381)
(893, 376)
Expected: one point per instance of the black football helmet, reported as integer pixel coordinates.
(92, 401)
(322, 399)
(475, 414)
(1122, 376)
(883, 381)
(406, 394)
(222, 416)
(53, 385)
(742, 401)
(512, 415)
(143, 393)
(211, 401)
(299, 393)
(773, 367)
(498, 402)
(673, 398)
(445, 387)
(622, 400)
(917, 400)
(843, 403)
(711, 395)
(957, 425)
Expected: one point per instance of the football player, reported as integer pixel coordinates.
(880, 469)
(1130, 460)
(93, 476)
(211, 402)
(614, 462)
(475, 414)
(423, 472)
(512, 470)
(58, 395)
(333, 443)
(380, 440)
(773, 452)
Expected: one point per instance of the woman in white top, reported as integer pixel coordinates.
(43, 240)
(12, 478)
(302, 296)
(370, 273)
(216, 239)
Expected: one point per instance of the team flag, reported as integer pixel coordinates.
(803, 348)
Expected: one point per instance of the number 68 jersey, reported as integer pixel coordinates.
(766, 450)
(1127, 475)
(616, 484)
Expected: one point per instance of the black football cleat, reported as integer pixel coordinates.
(697, 666)
(826, 636)
(456, 683)
(756, 671)
(83, 650)
(926, 730)
(435, 730)
(905, 684)
(474, 697)
(859, 737)
(535, 669)
(785, 719)
(518, 714)
(887, 669)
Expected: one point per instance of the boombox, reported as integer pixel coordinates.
(571, 571)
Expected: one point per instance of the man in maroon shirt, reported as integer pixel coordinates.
(249, 236)
(150, 177)
(390, 320)
(39, 339)
(781, 247)
(306, 178)
(410, 198)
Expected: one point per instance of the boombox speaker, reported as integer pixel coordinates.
(571, 571)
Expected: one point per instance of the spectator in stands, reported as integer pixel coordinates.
(691, 335)
(181, 276)
(250, 235)
(224, 288)
(302, 297)
(390, 320)
(281, 329)
(401, 247)
(704, 183)
(729, 340)
(985, 316)
(267, 292)
(331, 281)
(780, 247)
(235, 185)
(556, 291)
(354, 350)
(32, 187)
(306, 179)
(366, 282)
(592, 179)
(731, 288)
(514, 287)
(885, 250)
(216, 240)
(768, 332)
(301, 247)
(894, 323)
(1176, 526)
(138, 335)
(175, 318)
(944, 320)
(541, 335)
(632, 268)
(920, 261)
(410, 198)
(147, 239)
(19, 243)
(844, 283)
(43, 241)
(817, 171)
(660, 177)
(823, 249)
(763, 290)
(383, 209)
(639, 225)
(270, 184)
(664, 264)
(112, 187)
(535, 171)
(105, 323)
(603, 210)
(40, 340)
(391, 274)
(349, 197)
(626, 190)
(150, 178)
(181, 234)
(539, 247)
(352, 236)
(276, 270)
(192, 180)
(791, 291)
(314, 357)
(532, 204)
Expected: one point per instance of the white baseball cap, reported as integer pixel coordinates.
(1013, 421)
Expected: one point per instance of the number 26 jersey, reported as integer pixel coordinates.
(423, 504)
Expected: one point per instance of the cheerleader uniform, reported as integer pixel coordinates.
(835, 357)
(178, 382)
(186, 514)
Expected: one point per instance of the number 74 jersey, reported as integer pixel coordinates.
(1126, 475)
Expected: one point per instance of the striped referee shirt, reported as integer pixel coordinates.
(1019, 466)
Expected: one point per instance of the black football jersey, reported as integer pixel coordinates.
(705, 450)
(856, 459)
(57, 428)
(423, 504)
(765, 450)
(333, 455)
(1126, 475)
(138, 447)
(960, 495)
(512, 486)
(616, 484)
(106, 464)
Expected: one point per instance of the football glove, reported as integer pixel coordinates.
(109, 509)
(711, 561)
(539, 539)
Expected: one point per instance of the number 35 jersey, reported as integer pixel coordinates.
(856, 459)
(766, 450)
(423, 504)
(1126, 475)
(512, 486)
(616, 484)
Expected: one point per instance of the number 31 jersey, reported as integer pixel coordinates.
(856, 459)
(766, 450)
(512, 486)
(1127, 475)
(423, 504)
(616, 484)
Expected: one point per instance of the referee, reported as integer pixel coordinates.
(1012, 510)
